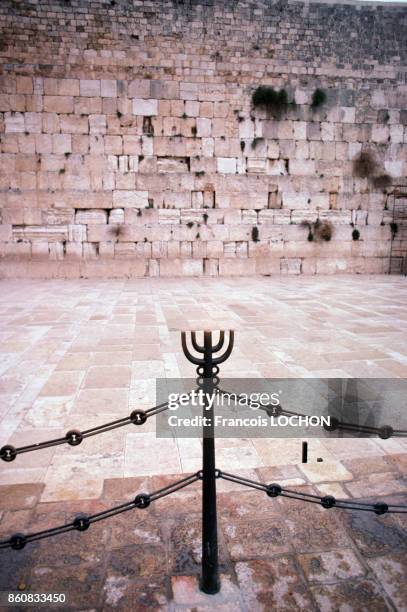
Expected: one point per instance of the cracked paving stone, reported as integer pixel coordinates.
(350, 595)
(272, 584)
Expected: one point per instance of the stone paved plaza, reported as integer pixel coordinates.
(75, 354)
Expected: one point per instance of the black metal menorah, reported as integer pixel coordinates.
(208, 380)
(210, 356)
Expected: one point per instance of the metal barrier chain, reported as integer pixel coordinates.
(384, 432)
(326, 501)
(74, 436)
(82, 522)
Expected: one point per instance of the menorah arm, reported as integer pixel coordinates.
(197, 347)
(228, 351)
(219, 345)
(187, 353)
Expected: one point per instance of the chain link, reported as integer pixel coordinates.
(384, 431)
(82, 522)
(74, 437)
(326, 501)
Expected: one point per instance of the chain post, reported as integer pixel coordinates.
(208, 370)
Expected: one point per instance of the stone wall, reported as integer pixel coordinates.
(130, 145)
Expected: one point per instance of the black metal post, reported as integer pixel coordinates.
(305, 452)
(208, 380)
(210, 571)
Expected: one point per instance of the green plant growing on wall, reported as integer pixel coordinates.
(199, 173)
(318, 99)
(256, 141)
(274, 102)
(382, 182)
(255, 234)
(324, 231)
(394, 229)
(364, 166)
(318, 231)
(383, 116)
(355, 234)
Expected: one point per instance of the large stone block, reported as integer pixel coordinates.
(93, 216)
(147, 108)
(130, 199)
(236, 267)
(227, 165)
(14, 123)
(58, 104)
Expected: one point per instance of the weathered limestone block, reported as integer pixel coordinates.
(52, 216)
(132, 145)
(61, 144)
(240, 232)
(380, 133)
(177, 199)
(56, 251)
(293, 200)
(299, 216)
(290, 266)
(40, 250)
(214, 248)
(277, 167)
(133, 199)
(14, 123)
(97, 124)
(147, 108)
(58, 104)
(199, 249)
(211, 267)
(43, 143)
(236, 267)
(188, 91)
(203, 127)
(42, 233)
(5, 232)
(302, 167)
(17, 249)
(267, 265)
(282, 217)
(256, 165)
(139, 88)
(273, 149)
(336, 217)
(74, 250)
(33, 123)
(396, 168)
(93, 216)
(226, 165)
(76, 233)
(173, 248)
(108, 88)
(172, 164)
(331, 266)
(116, 216)
(89, 88)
